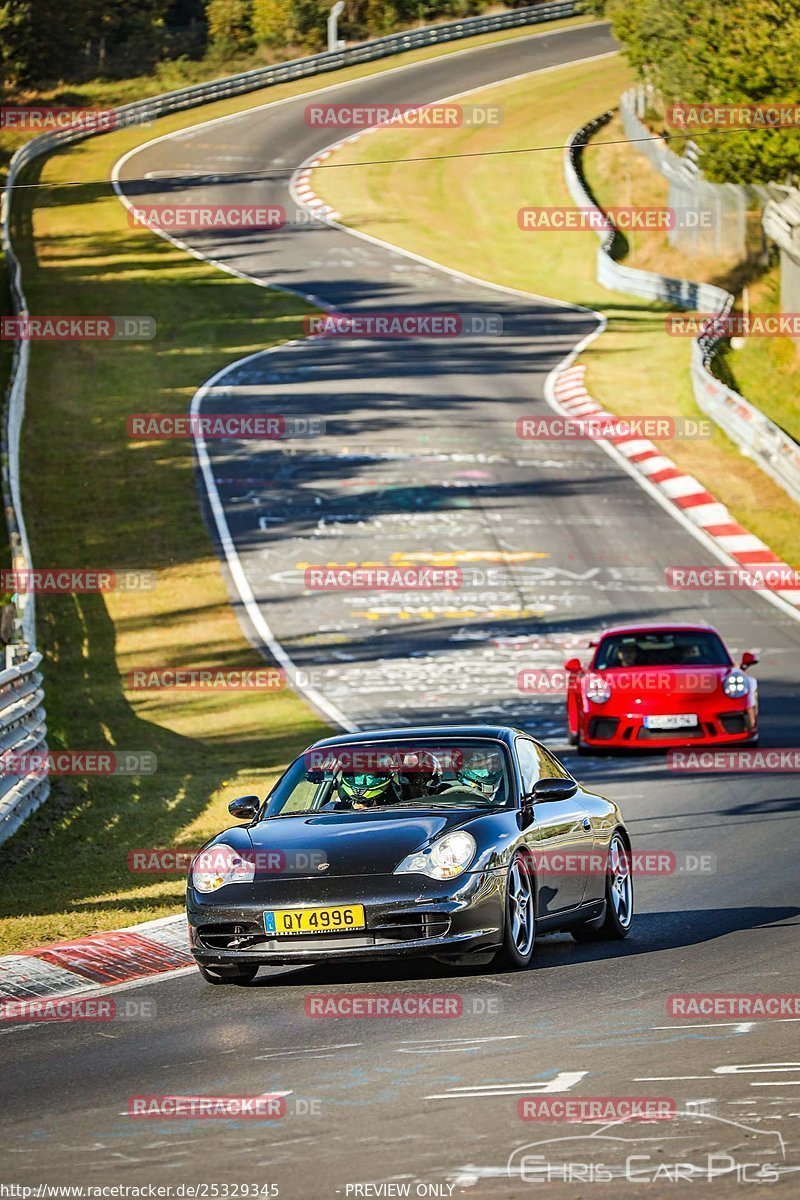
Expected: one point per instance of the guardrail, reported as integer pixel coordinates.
(22, 732)
(781, 223)
(22, 718)
(753, 432)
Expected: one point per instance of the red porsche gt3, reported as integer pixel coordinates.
(661, 686)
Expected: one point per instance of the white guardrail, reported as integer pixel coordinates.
(22, 718)
(753, 432)
(22, 733)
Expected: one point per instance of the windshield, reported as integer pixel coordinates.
(399, 774)
(662, 648)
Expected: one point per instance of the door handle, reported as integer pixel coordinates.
(587, 824)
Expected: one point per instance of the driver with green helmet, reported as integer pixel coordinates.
(369, 789)
(481, 772)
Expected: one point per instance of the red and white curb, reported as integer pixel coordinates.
(683, 491)
(305, 193)
(300, 181)
(96, 961)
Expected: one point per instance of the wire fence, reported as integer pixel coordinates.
(716, 219)
(782, 226)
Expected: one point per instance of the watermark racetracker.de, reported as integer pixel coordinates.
(549, 428)
(54, 117)
(70, 581)
(239, 426)
(424, 116)
(44, 763)
(630, 218)
(399, 1005)
(407, 324)
(78, 1008)
(58, 327)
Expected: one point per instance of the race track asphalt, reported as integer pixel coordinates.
(419, 458)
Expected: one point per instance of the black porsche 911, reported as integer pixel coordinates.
(457, 842)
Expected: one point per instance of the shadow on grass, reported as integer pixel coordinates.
(93, 499)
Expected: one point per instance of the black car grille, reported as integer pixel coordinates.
(414, 926)
(400, 927)
(603, 727)
(242, 935)
(734, 722)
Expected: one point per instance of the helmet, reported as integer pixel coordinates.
(421, 770)
(364, 787)
(482, 771)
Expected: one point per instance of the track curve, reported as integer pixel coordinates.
(420, 457)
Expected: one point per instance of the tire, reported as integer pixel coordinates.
(519, 924)
(583, 750)
(618, 917)
(233, 974)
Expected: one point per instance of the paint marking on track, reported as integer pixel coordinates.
(500, 1037)
(739, 1026)
(309, 1050)
(563, 1081)
(667, 1079)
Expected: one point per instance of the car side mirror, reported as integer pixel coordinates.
(245, 808)
(749, 659)
(572, 665)
(552, 789)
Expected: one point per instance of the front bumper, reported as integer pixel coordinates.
(404, 915)
(627, 731)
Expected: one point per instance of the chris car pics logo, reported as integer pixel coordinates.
(701, 1148)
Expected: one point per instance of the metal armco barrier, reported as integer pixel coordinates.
(22, 726)
(781, 223)
(22, 732)
(753, 432)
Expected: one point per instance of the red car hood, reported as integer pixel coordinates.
(661, 689)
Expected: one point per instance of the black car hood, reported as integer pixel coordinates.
(353, 843)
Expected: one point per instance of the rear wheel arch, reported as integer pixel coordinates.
(526, 854)
(623, 833)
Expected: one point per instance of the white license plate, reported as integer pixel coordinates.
(673, 721)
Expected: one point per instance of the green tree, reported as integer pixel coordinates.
(17, 43)
(742, 52)
(122, 39)
(42, 41)
(49, 41)
(273, 23)
(230, 26)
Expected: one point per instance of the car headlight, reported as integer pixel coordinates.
(219, 865)
(445, 859)
(735, 685)
(598, 689)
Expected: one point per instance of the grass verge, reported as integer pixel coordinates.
(463, 212)
(109, 501)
